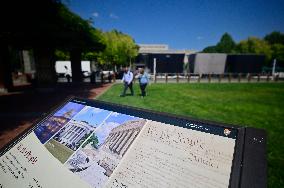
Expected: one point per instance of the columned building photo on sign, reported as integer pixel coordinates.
(46, 130)
(74, 131)
(50, 127)
(96, 164)
(122, 136)
(117, 143)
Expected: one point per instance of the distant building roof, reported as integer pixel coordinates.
(153, 46)
(161, 49)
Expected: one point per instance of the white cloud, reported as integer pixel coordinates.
(113, 16)
(106, 127)
(84, 110)
(89, 110)
(97, 110)
(95, 14)
(114, 114)
(199, 37)
(103, 131)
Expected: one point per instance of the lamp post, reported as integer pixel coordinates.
(273, 68)
(154, 69)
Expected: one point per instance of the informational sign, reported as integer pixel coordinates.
(94, 144)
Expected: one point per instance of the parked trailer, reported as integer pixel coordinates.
(63, 68)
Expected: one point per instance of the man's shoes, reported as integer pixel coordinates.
(122, 95)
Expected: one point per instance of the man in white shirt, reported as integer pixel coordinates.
(127, 81)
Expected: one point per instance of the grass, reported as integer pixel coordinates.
(59, 151)
(259, 105)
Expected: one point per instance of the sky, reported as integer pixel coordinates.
(183, 24)
(94, 116)
(68, 107)
(114, 120)
(119, 118)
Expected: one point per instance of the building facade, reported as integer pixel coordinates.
(53, 124)
(220, 63)
(244, 63)
(167, 60)
(117, 143)
(73, 133)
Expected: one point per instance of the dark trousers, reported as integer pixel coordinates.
(126, 85)
(143, 89)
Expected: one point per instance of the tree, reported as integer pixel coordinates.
(93, 140)
(275, 38)
(210, 49)
(255, 45)
(278, 53)
(46, 23)
(226, 44)
(120, 49)
(62, 55)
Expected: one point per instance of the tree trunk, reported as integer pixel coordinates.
(45, 67)
(75, 56)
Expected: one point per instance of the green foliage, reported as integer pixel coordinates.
(278, 53)
(51, 23)
(210, 49)
(83, 139)
(258, 105)
(271, 46)
(275, 38)
(85, 36)
(93, 140)
(255, 45)
(226, 44)
(47, 22)
(120, 49)
(62, 55)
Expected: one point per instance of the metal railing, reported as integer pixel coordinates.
(214, 78)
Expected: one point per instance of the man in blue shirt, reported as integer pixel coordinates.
(143, 81)
(127, 81)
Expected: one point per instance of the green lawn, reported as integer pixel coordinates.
(258, 105)
(61, 152)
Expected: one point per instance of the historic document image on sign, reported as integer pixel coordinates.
(169, 156)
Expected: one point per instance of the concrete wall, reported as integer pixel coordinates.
(205, 63)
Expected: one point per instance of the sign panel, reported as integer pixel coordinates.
(94, 144)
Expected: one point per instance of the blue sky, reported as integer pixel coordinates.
(184, 24)
(94, 116)
(119, 118)
(70, 106)
(114, 120)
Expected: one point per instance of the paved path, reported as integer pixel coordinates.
(19, 110)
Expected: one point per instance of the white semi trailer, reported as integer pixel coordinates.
(63, 68)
